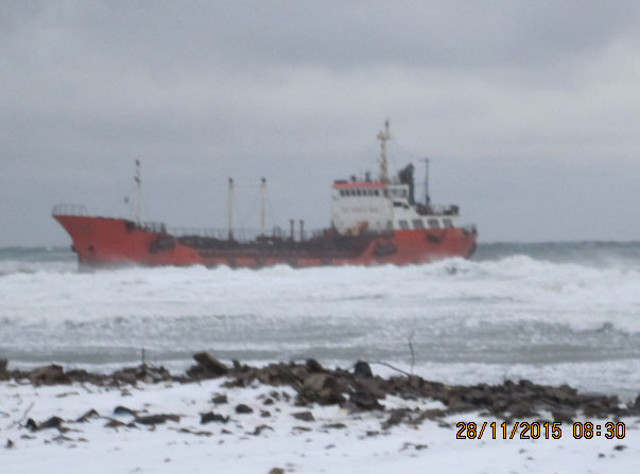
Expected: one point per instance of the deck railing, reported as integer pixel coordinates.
(239, 235)
(69, 210)
(242, 235)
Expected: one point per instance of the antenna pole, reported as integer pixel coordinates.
(384, 136)
(230, 209)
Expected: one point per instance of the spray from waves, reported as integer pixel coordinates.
(601, 255)
(36, 259)
(591, 254)
(560, 312)
(470, 319)
(503, 291)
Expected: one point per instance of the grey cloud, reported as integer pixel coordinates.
(539, 94)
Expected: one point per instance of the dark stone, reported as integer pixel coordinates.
(156, 419)
(152, 374)
(128, 378)
(304, 416)
(320, 388)
(521, 410)
(197, 433)
(276, 470)
(260, 429)
(53, 422)
(151, 419)
(49, 375)
(115, 424)
(314, 366)
(219, 399)
(457, 405)
(87, 416)
(564, 395)
(330, 396)
(362, 369)
(120, 410)
(243, 409)
(210, 365)
(211, 416)
(480, 396)
(304, 429)
(335, 426)
(564, 415)
(372, 386)
(82, 376)
(299, 372)
(365, 400)
(432, 414)
(398, 415)
(317, 382)
(31, 425)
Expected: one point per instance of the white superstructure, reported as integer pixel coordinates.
(385, 205)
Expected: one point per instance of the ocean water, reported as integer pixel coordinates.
(553, 313)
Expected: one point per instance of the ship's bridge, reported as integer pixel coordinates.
(361, 206)
(367, 206)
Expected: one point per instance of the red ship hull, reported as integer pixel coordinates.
(102, 241)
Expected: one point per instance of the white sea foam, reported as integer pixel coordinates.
(517, 288)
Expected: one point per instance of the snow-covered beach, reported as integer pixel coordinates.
(213, 425)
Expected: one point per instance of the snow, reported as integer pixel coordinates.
(293, 445)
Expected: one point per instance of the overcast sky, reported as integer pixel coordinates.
(528, 110)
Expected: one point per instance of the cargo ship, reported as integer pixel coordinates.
(374, 222)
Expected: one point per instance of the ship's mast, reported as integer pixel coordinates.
(230, 209)
(137, 197)
(427, 198)
(263, 202)
(384, 136)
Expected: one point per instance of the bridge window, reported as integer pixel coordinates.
(447, 222)
(403, 224)
(418, 224)
(434, 223)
